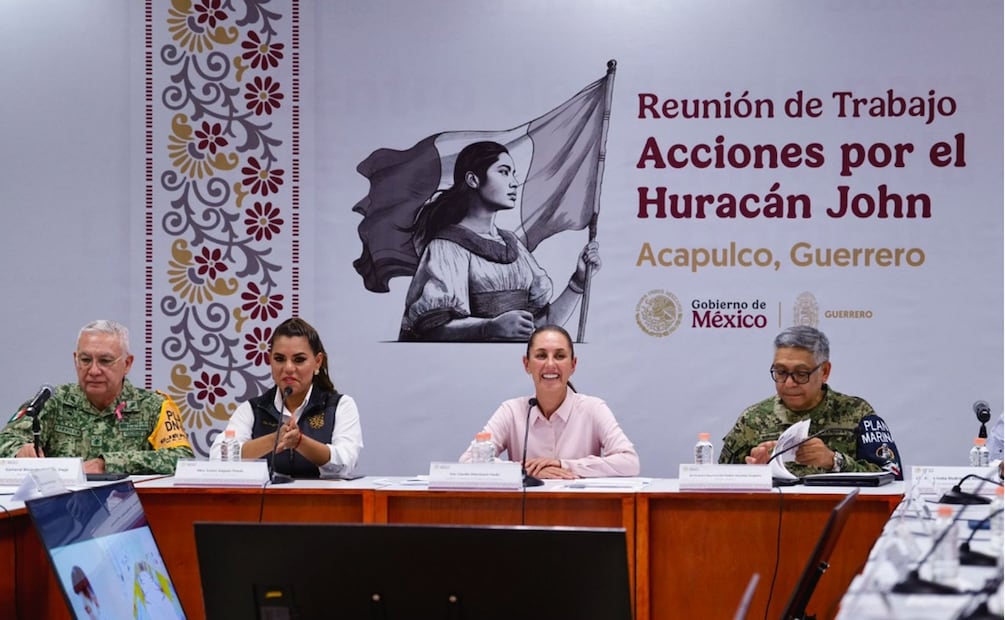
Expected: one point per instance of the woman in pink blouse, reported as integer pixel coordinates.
(571, 435)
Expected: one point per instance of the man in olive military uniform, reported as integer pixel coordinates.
(850, 436)
(103, 419)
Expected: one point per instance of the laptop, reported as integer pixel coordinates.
(104, 555)
(849, 479)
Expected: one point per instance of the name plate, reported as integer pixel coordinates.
(498, 475)
(932, 480)
(724, 477)
(194, 472)
(14, 471)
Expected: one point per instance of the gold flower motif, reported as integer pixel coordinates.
(180, 22)
(182, 277)
(188, 159)
(179, 389)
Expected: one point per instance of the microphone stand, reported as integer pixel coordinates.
(34, 409)
(36, 431)
(274, 476)
(969, 557)
(528, 480)
(958, 496)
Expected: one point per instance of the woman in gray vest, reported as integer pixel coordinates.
(319, 430)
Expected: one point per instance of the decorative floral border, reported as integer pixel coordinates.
(222, 199)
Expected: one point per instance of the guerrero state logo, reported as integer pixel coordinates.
(658, 313)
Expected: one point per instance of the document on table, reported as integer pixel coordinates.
(785, 447)
(627, 484)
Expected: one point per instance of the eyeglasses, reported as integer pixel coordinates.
(799, 377)
(86, 361)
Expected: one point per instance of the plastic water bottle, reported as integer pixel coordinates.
(230, 449)
(979, 455)
(704, 453)
(997, 523)
(946, 558)
(482, 448)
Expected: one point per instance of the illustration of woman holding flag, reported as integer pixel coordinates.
(474, 281)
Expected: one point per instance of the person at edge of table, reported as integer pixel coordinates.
(320, 435)
(112, 425)
(852, 438)
(571, 435)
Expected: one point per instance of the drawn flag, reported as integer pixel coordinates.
(561, 152)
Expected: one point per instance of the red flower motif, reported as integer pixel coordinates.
(263, 221)
(262, 181)
(208, 12)
(263, 95)
(210, 263)
(257, 346)
(210, 137)
(208, 388)
(260, 305)
(262, 55)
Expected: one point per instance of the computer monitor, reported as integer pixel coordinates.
(819, 560)
(104, 555)
(254, 570)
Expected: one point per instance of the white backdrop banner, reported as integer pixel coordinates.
(743, 167)
(763, 164)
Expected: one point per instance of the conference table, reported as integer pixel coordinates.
(873, 593)
(687, 552)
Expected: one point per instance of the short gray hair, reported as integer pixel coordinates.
(105, 326)
(808, 338)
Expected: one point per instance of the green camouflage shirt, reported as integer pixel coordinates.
(837, 416)
(72, 427)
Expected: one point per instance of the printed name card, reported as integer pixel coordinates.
(14, 471)
(194, 472)
(724, 477)
(932, 480)
(498, 475)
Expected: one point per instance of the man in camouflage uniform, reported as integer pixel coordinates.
(103, 418)
(852, 438)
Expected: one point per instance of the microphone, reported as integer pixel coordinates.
(274, 476)
(35, 406)
(34, 409)
(528, 480)
(958, 496)
(969, 557)
(983, 413)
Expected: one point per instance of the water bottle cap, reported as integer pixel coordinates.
(944, 510)
(703, 436)
(230, 433)
(483, 436)
(980, 441)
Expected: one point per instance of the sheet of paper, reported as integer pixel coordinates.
(632, 484)
(785, 450)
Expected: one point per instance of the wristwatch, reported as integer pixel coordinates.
(838, 462)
